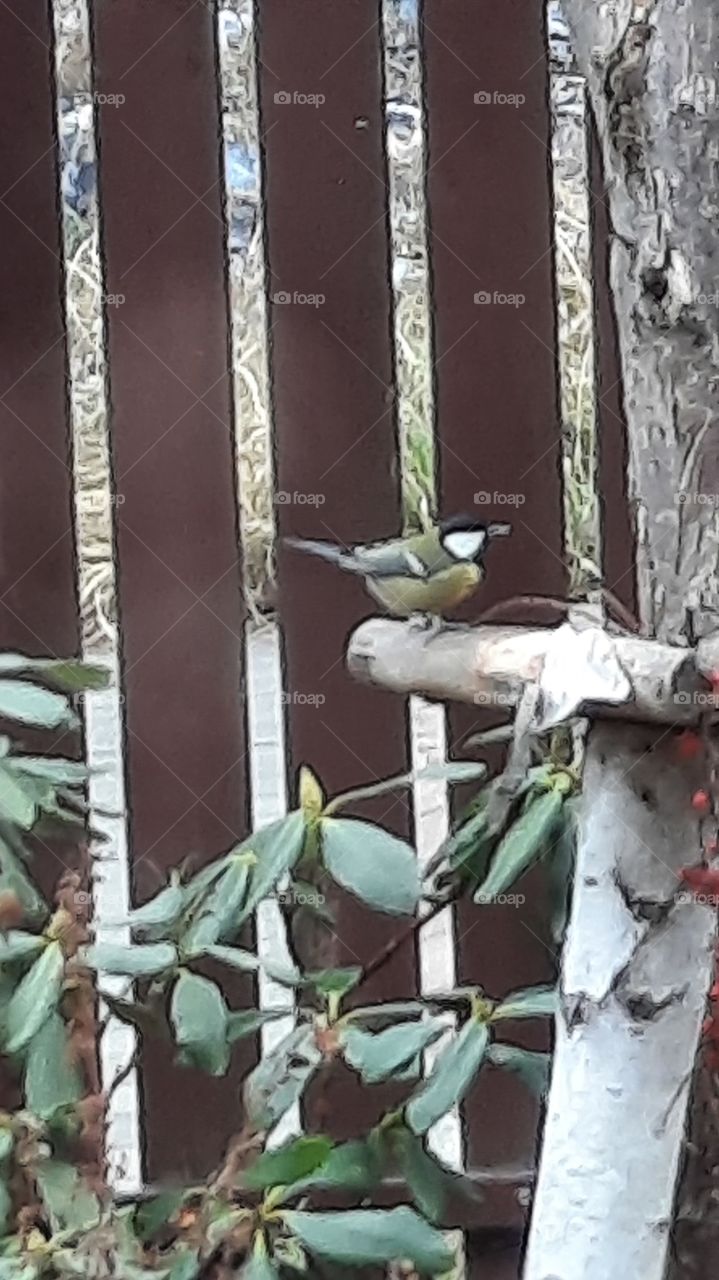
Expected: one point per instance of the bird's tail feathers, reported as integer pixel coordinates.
(325, 550)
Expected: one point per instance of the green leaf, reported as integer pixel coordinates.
(219, 915)
(259, 1265)
(524, 844)
(451, 1077)
(337, 982)
(145, 961)
(186, 1266)
(454, 772)
(532, 1068)
(51, 1079)
(530, 1002)
(280, 1077)
(17, 945)
(371, 1237)
(288, 1163)
(6, 1211)
(70, 675)
(199, 1017)
(153, 1214)
(18, 802)
(246, 1022)
(29, 704)
(428, 1181)
(278, 848)
(352, 1166)
(35, 998)
(15, 877)
(378, 1055)
(235, 957)
(372, 864)
(162, 911)
(61, 773)
(69, 1202)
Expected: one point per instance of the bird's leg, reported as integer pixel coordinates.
(434, 625)
(423, 622)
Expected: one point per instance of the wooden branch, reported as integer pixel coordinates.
(490, 665)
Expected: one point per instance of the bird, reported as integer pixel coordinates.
(423, 575)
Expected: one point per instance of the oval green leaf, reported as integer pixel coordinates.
(372, 1237)
(29, 704)
(17, 945)
(199, 1018)
(278, 848)
(451, 1077)
(51, 1079)
(377, 1056)
(532, 1068)
(372, 864)
(530, 1002)
(523, 844)
(35, 998)
(294, 1160)
(141, 961)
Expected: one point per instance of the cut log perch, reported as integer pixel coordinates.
(637, 958)
(489, 666)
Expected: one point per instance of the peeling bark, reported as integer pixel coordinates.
(634, 982)
(652, 68)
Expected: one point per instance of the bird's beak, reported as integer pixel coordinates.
(499, 530)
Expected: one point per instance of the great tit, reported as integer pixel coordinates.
(426, 573)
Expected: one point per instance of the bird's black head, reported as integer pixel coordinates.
(465, 538)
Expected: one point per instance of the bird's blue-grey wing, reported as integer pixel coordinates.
(391, 560)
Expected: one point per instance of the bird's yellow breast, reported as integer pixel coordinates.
(438, 594)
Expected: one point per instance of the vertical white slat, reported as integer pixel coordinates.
(406, 165)
(255, 474)
(269, 802)
(94, 501)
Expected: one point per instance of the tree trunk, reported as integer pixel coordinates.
(613, 1142)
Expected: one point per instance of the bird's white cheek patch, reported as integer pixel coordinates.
(465, 543)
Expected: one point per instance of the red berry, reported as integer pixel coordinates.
(701, 801)
(711, 846)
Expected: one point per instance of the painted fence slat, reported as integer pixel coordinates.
(176, 531)
(337, 474)
(497, 407)
(37, 579)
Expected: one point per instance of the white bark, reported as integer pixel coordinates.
(633, 988)
(607, 1182)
